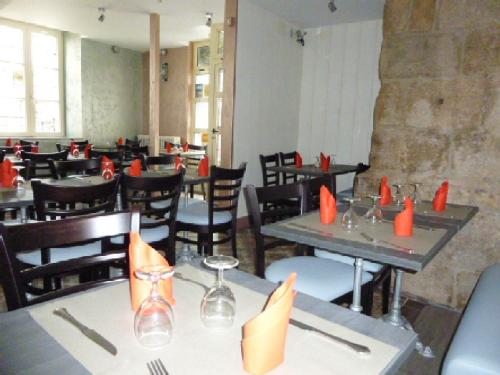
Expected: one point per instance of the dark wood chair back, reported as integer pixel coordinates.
(17, 238)
(116, 156)
(37, 164)
(362, 168)
(2, 155)
(28, 143)
(9, 150)
(132, 143)
(313, 186)
(81, 146)
(269, 178)
(156, 160)
(288, 158)
(64, 168)
(271, 196)
(54, 202)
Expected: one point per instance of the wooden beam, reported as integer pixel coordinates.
(154, 84)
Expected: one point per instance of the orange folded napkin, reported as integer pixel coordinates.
(264, 336)
(136, 168)
(7, 173)
(169, 147)
(140, 255)
(108, 171)
(8, 142)
(185, 147)
(385, 192)
(403, 223)
(35, 149)
(327, 206)
(74, 150)
(203, 167)
(298, 160)
(324, 162)
(86, 152)
(120, 141)
(440, 198)
(178, 163)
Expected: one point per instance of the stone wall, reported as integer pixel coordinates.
(437, 117)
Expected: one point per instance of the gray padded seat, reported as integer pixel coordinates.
(148, 235)
(197, 213)
(367, 265)
(475, 348)
(59, 254)
(321, 278)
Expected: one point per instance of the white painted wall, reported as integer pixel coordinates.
(339, 86)
(267, 94)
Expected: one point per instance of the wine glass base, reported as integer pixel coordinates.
(155, 340)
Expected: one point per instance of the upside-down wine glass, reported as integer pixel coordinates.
(416, 194)
(218, 306)
(374, 214)
(350, 219)
(18, 180)
(399, 195)
(154, 321)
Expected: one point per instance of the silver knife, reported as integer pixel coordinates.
(90, 333)
(361, 349)
(375, 241)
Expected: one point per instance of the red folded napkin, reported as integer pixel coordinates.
(298, 160)
(264, 336)
(86, 152)
(120, 141)
(7, 173)
(107, 168)
(169, 148)
(385, 192)
(17, 150)
(327, 206)
(440, 198)
(140, 255)
(74, 150)
(185, 147)
(8, 142)
(203, 167)
(178, 163)
(136, 168)
(35, 149)
(403, 223)
(324, 162)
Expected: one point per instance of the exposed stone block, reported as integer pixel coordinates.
(422, 16)
(391, 104)
(454, 14)
(396, 16)
(482, 51)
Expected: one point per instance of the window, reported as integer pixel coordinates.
(30, 80)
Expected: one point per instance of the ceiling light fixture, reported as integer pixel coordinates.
(209, 16)
(331, 6)
(101, 14)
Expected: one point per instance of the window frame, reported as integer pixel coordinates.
(28, 71)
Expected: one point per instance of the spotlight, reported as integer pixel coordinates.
(101, 14)
(208, 16)
(331, 6)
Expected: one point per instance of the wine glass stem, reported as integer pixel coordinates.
(220, 276)
(155, 292)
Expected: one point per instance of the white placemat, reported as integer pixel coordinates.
(194, 348)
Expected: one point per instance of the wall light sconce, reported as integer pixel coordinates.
(299, 36)
(115, 49)
(208, 16)
(101, 14)
(331, 6)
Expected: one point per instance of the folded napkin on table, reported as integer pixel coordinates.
(35, 149)
(324, 162)
(385, 192)
(7, 173)
(327, 206)
(185, 147)
(8, 142)
(74, 150)
(264, 336)
(203, 167)
(17, 150)
(140, 255)
(403, 223)
(169, 147)
(178, 163)
(440, 198)
(120, 141)
(111, 167)
(86, 152)
(136, 168)
(298, 160)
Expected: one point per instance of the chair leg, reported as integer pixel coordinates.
(367, 298)
(386, 291)
(233, 238)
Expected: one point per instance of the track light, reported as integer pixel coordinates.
(209, 16)
(101, 14)
(331, 6)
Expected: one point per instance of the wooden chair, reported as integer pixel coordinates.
(158, 198)
(314, 186)
(288, 159)
(81, 146)
(218, 215)
(3, 211)
(15, 239)
(63, 168)
(116, 156)
(156, 160)
(132, 143)
(322, 278)
(269, 178)
(349, 193)
(2, 155)
(37, 164)
(192, 162)
(28, 143)
(9, 150)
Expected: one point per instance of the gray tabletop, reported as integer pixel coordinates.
(26, 348)
(312, 170)
(190, 178)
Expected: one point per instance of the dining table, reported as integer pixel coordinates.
(378, 243)
(33, 340)
(185, 154)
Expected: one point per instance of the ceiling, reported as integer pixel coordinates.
(126, 22)
(315, 13)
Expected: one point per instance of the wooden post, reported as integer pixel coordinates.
(154, 84)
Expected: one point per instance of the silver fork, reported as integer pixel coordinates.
(156, 367)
